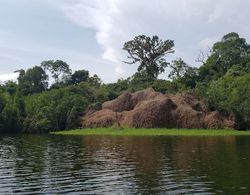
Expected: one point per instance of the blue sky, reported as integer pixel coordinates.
(89, 34)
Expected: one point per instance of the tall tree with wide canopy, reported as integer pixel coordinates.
(149, 53)
(59, 69)
(231, 51)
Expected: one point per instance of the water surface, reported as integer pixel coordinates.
(50, 164)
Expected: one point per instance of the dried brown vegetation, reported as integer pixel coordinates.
(150, 109)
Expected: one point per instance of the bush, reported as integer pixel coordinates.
(231, 95)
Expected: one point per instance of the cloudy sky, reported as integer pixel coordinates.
(89, 34)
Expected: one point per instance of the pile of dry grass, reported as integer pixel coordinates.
(150, 109)
(122, 103)
(158, 112)
(101, 118)
(215, 120)
(190, 112)
(145, 95)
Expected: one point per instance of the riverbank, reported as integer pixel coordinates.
(153, 132)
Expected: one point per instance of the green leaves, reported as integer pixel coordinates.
(59, 69)
(231, 95)
(79, 76)
(57, 109)
(230, 51)
(34, 80)
(149, 53)
(178, 69)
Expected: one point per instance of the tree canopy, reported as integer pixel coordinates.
(59, 69)
(34, 80)
(232, 50)
(79, 76)
(149, 53)
(179, 68)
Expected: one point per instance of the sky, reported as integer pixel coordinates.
(89, 34)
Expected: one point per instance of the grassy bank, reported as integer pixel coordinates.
(152, 132)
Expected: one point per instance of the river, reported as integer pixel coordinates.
(51, 164)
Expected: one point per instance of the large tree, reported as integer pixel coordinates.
(231, 51)
(34, 80)
(183, 74)
(94, 80)
(231, 95)
(58, 69)
(79, 76)
(178, 69)
(149, 53)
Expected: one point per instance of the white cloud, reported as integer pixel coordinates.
(192, 24)
(100, 16)
(8, 77)
(187, 22)
(23, 54)
(208, 42)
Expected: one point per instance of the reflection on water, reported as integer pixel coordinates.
(124, 165)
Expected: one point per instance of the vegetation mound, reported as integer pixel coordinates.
(150, 109)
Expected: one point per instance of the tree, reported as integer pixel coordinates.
(230, 51)
(79, 76)
(34, 80)
(165, 86)
(10, 118)
(183, 74)
(231, 95)
(140, 80)
(179, 68)
(94, 80)
(149, 53)
(2, 105)
(59, 69)
(10, 87)
(56, 109)
(190, 77)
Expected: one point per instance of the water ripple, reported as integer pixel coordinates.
(104, 165)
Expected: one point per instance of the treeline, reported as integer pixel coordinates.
(31, 105)
(223, 80)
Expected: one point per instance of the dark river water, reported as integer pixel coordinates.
(47, 164)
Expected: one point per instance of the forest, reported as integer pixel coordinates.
(50, 97)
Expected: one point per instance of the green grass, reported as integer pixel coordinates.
(153, 132)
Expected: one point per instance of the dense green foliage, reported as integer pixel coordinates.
(34, 80)
(57, 109)
(231, 96)
(226, 75)
(231, 51)
(223, 81)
